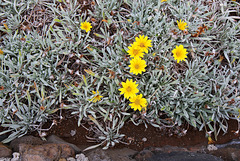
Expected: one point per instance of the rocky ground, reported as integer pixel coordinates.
(29, 148)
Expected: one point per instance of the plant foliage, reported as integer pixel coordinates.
(49, 64)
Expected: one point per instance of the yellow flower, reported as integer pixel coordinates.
(97, 97)
(86, 26)
(137, 65)
(137, 102)
(179, 53)
(143, 43)
(182, 25)
(163, 0)
(135, 51)
(1, 52)
(129, 88)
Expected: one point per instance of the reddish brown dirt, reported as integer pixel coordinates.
(154, 137)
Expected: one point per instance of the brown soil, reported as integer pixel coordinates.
(140, 136)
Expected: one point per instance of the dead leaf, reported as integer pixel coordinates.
(210, 140)
(42, 108)
(14, 112)
(60, 62)
(35, 86)
(6, 26)
(104, 20)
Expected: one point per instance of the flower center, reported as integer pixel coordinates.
(142, 45)
(137, 66)
(129, 89)
(178, 53)
(135, 52)
(85, 26)
(137, 102)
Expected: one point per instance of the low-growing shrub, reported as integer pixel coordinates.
(161, 63)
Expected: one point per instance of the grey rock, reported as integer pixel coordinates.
(31, 157)
(182, 156)
(45, 152)
(235, 143)
(5, 159)
(27, 140)
(98, 155)
(227, 153)
(55, 139)
(124, 154)
(144, 155)
(169, 149)
(172, 153)
(5, 151)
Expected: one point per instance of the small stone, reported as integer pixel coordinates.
(211, 147)
(62, 159)
(71, 159)
(16, 156)
(73, 132)
(144, 139)
(81, 157)
(5, 151)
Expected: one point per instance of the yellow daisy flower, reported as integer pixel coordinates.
(138, 103)
(86, 26)
(135, 51)
(1, 52)
(182, 25)
(97, 97)
(137, 65)
(143, 42)
(129, 88)
(179, 53)
(163, 0)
